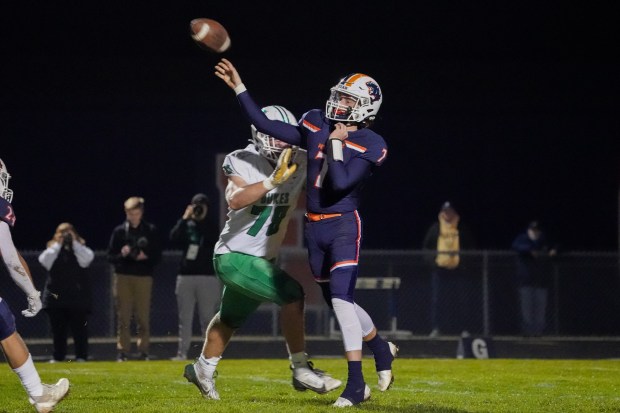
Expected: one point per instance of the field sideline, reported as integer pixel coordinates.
(260, 385)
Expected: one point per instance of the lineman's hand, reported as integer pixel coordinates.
(34, 305)
(227, 72)
(283, 171)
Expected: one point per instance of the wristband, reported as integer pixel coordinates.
(268, 185)
(337, 150)
(240, 88)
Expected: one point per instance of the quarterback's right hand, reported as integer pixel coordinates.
(227, 72)
(34, 305)
(283, 171)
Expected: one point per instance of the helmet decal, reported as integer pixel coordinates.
(373, 91)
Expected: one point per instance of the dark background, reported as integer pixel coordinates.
(507, 109)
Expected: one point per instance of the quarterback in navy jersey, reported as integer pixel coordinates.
(342, 154)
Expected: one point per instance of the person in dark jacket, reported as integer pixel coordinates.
(196, 283)
(451, 283)
(134, 250)
(67, 294)
(534, 278)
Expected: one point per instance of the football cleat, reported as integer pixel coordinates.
(386, 378)
(343, 402)
(204, 384)
(309, 378)
(52, 395)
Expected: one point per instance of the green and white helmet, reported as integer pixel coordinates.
(268, 146)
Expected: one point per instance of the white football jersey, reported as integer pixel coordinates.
(259, 229)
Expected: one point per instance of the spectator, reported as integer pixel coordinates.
(42, 396)
(134, 250)
(534, 278)
(67, 294)
(196, 284)
(451, 284)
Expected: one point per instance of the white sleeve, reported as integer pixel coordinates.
(83, 254)
(48, 257)
(13, 264)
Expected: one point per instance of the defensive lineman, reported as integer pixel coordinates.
(264, 183)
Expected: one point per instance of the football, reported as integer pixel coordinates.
(210, 35)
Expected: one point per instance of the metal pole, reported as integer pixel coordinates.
(556, 300)
(485, 293)
(112, 304)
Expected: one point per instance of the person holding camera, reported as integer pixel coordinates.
(196, 283)
(134, 250)
(67, 294)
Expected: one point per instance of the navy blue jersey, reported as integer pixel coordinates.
(333, 187)
(6, 212)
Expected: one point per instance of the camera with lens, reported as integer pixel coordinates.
(137, 246)
(198, 212)
(67, 240)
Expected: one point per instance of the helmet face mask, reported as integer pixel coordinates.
(362, 96)
(268, 146)
(5, 192)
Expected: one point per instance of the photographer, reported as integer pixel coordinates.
(196, 283)
(67, 294)
(134, 250)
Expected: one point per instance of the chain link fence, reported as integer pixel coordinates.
(396, 290)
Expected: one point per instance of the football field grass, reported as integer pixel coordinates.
(258, 385)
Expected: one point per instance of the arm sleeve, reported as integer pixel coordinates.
(48, 257)
(13, 264)
(347, 177)
(83, 254)
(279, 130)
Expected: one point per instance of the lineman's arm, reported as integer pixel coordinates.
(240, 194)
(14, 262)
(19, 270)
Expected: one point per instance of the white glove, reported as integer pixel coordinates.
(282, 172)
(34, 305)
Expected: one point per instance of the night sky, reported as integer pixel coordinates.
(507, 109)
